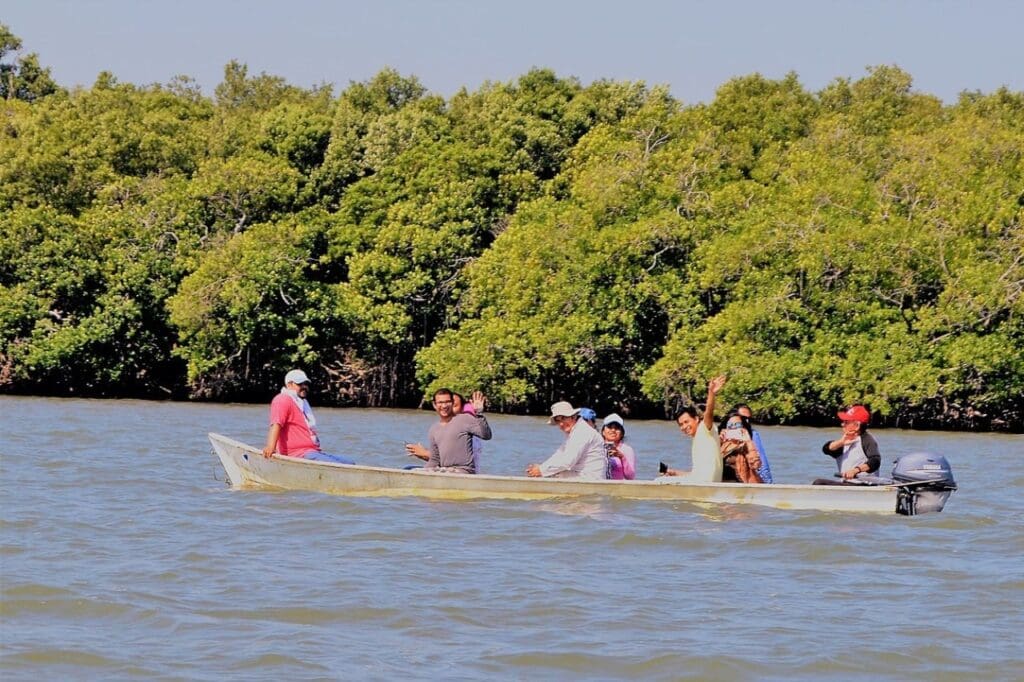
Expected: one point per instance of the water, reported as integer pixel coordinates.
(122, 556)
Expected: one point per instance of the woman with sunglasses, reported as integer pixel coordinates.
(740, 457)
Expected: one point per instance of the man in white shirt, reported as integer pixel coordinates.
(705, 453)
(581, 456)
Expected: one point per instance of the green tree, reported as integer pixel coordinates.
(22, 78)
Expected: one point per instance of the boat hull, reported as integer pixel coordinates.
(246, 467)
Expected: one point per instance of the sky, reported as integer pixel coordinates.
(693, 47)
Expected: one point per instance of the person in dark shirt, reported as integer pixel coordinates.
(856, 451)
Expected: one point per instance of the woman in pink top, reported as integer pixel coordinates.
(621, 457)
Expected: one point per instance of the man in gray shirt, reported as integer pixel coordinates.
(451, 438)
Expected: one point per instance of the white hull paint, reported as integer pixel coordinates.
(246, 467)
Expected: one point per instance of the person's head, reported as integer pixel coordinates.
(854, 419)
(457, 402)
(688, 420)
(613, 429)
(444, 403)
(589, 416)
(744, 410)
(735, 420)
(296, 380)
(564, 415)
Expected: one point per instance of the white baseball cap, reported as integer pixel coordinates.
(613, 419)
(296, 376)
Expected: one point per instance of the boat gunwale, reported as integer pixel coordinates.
(356, 468)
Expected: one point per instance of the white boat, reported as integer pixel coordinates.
(246, 467)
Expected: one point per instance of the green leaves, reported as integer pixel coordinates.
(22, 78)
(538, 239)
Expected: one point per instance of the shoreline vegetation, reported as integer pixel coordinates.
(538, 239)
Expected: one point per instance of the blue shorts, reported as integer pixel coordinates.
(324, 457)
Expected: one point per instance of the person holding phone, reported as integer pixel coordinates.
(741, 458)
(621, 456)
(765, 472)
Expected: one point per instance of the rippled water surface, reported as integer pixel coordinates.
(123, 555)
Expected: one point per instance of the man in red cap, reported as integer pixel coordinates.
(856, 451)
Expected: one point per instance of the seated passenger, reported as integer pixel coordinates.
(765, 472)
(856, 451)
(621, 457)
(451, 437)
(581, 456)
(293, 431)
(459, 406)
(704, 453)
(589, 416)
(741, 459)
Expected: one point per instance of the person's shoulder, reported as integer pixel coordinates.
(281, 399)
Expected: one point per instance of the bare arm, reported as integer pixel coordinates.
(417, 450)
(272, 434)
(714, 386)
(481, 428)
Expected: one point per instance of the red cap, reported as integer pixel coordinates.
(855, 413)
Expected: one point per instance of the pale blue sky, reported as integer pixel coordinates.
(691, 46)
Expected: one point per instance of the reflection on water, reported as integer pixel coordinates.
(123, 555)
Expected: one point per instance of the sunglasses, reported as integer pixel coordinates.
(734, 425)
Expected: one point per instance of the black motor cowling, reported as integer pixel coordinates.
(925, 481)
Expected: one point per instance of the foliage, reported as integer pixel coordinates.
(539, 239)
(22, 79)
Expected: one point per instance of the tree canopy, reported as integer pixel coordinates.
(540, 239)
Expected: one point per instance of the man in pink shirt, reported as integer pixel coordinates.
(292, 430)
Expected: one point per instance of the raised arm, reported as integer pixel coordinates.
(481, 428)
(714, 386)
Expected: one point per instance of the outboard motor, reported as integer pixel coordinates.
(925, 483)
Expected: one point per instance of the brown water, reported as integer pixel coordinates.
(122, 556)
